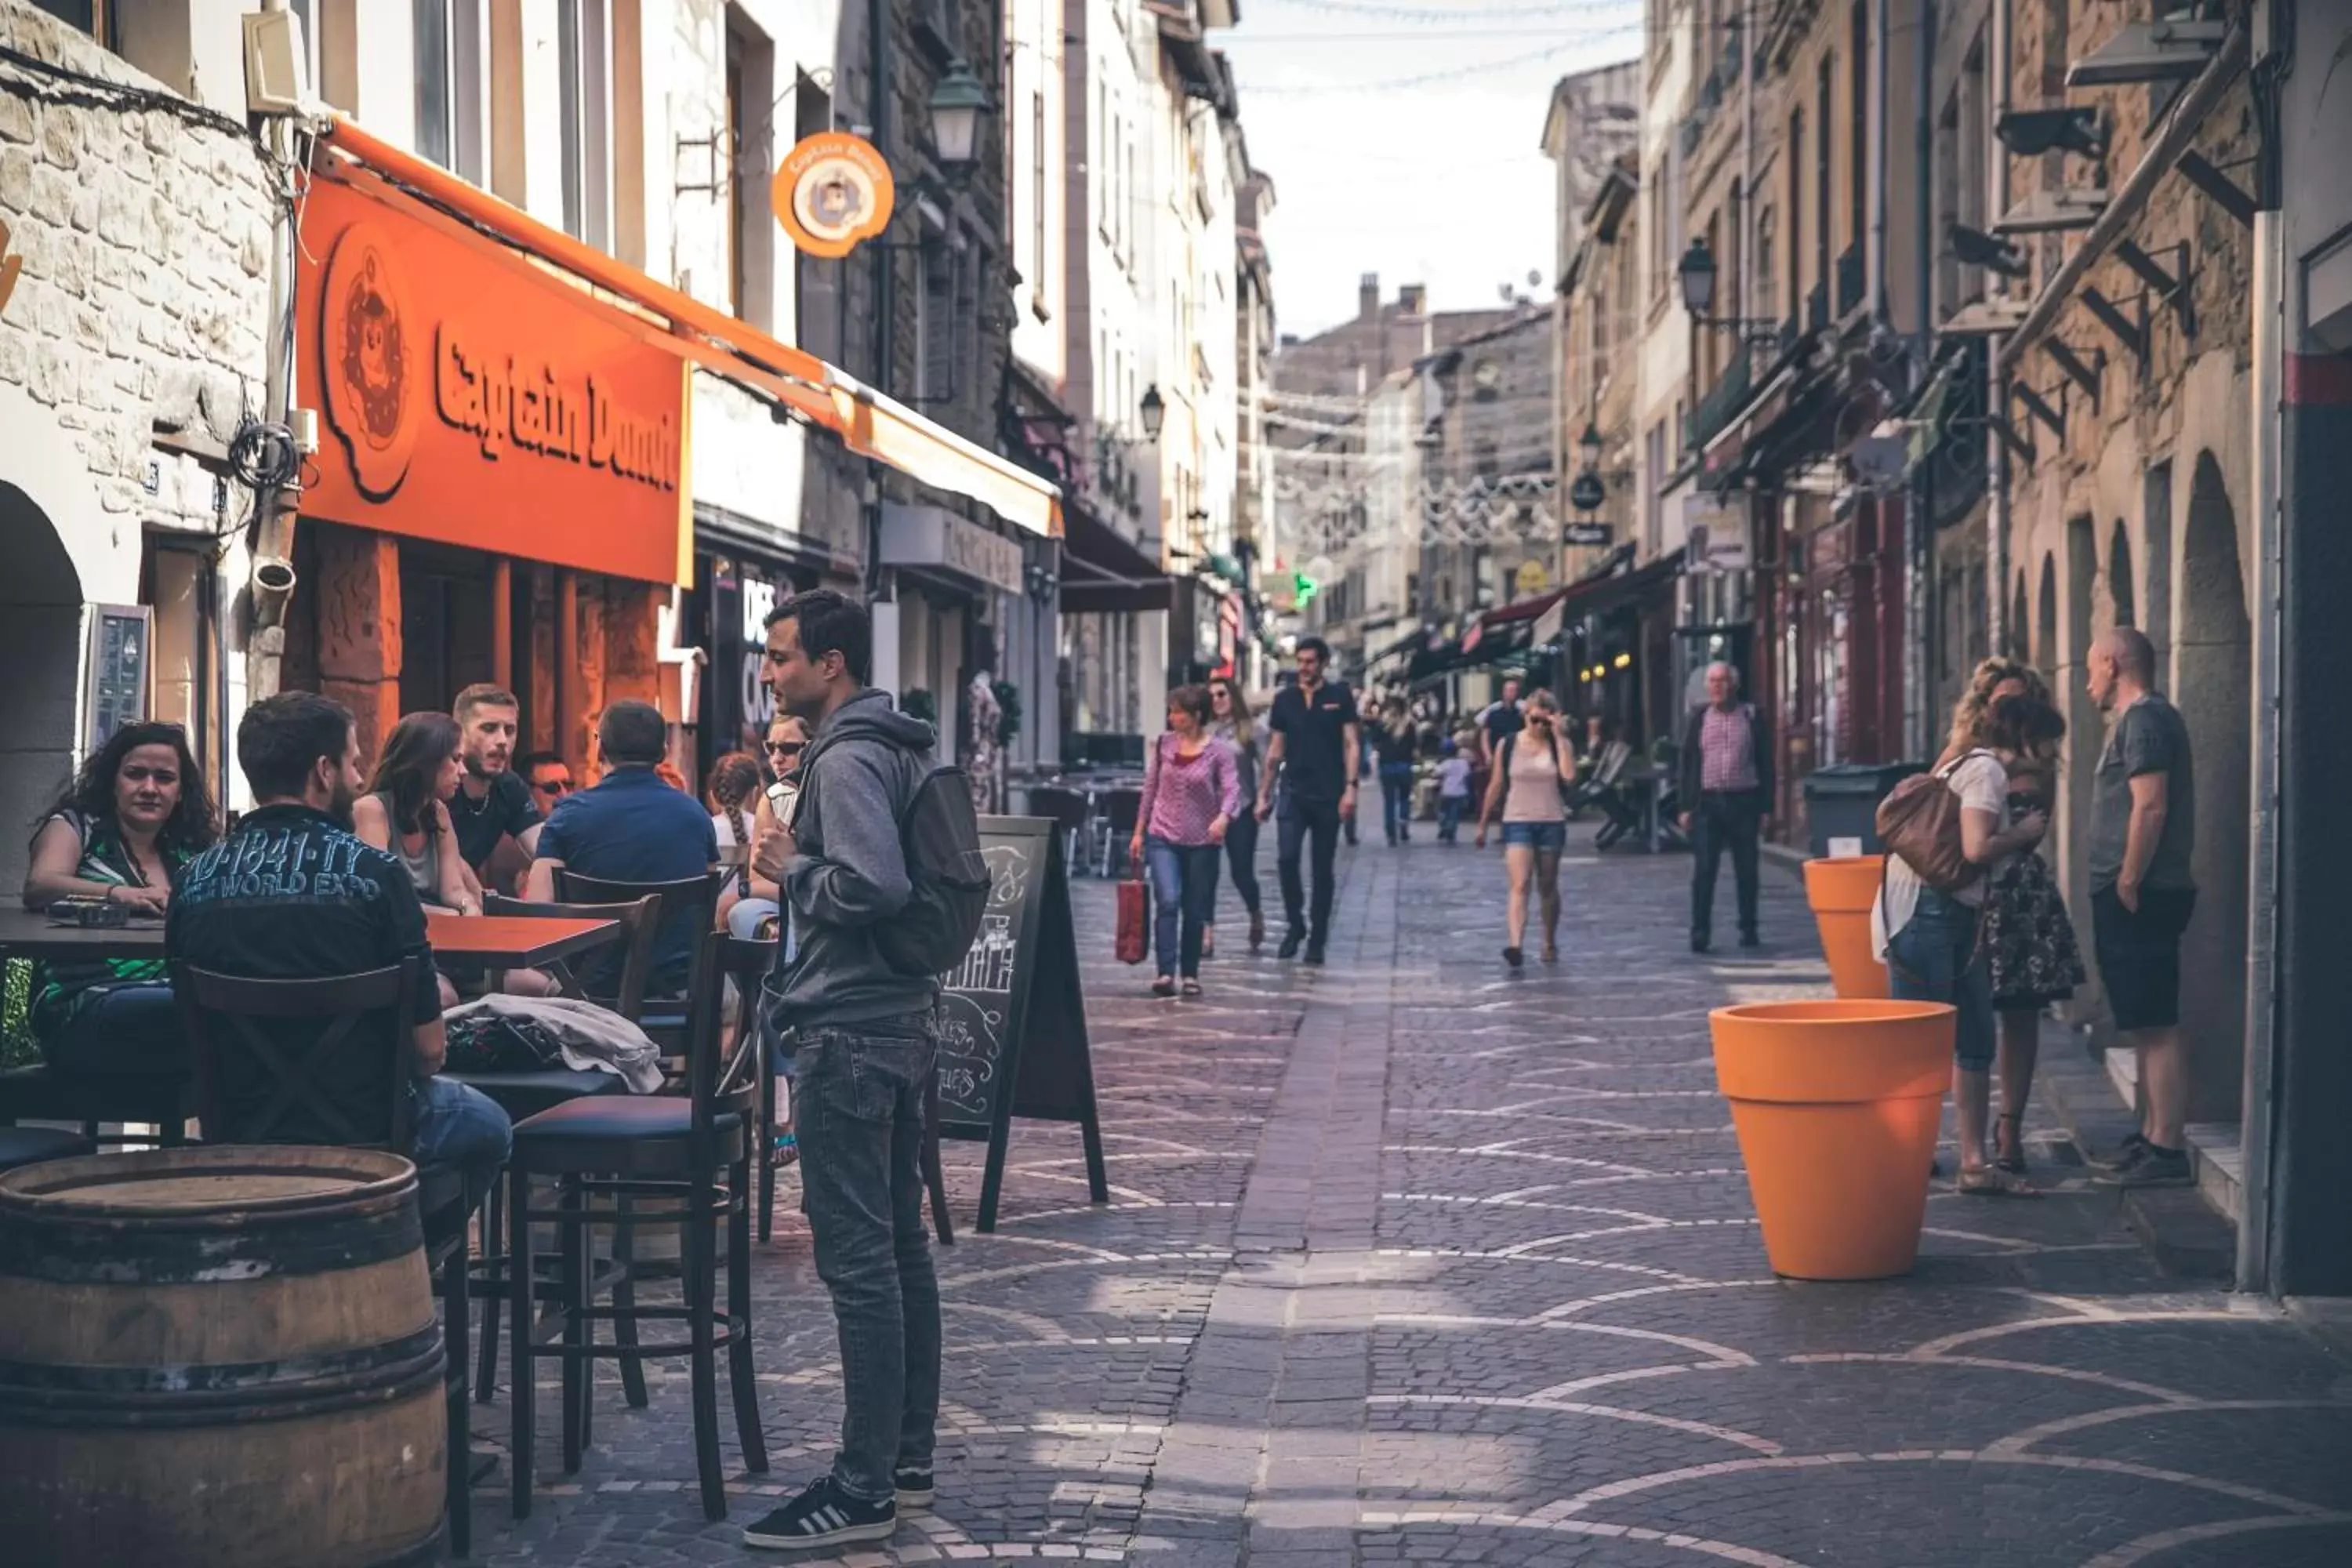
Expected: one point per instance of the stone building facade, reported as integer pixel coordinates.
(132, 351)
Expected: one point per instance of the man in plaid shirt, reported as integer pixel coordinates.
(1726, 786)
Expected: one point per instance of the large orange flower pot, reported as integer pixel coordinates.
(1836, 1104)
(1842, 891)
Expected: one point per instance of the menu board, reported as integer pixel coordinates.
(1012, 1034)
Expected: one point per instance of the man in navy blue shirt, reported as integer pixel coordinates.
(1315, 754)
(631, 828)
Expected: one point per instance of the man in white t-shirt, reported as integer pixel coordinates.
(1928, 940)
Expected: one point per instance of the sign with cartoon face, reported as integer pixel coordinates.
(831, 191)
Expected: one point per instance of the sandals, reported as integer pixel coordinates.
(1165, 986)
(1992, 1182)
(2013, 1161)
(1190, 988)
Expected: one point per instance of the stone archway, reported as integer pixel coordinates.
(40, 647)
(2213, 676)
(2021, 645)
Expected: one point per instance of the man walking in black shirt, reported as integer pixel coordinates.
(1316, 745)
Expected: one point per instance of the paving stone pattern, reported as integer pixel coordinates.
(1412, 1260)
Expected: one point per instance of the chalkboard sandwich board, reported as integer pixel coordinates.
(1013, 1031)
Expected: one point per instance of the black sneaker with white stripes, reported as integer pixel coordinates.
(913, 1486)
(823, 1515)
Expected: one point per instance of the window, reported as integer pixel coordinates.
(1037, 205)
(1823, 158)
(934, 336)
(447, 38)
(89, 15)
(1768, 293)
(1796, 216)
(1652, 482)
(1858, 111)
(583, 109)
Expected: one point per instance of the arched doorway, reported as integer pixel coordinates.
(2045, 623)
(2213, 674)
(40, 648)
(2070, 690)
(2119, 577)
(2019, 644)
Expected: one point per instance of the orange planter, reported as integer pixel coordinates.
(1836, 1104)
(1842, 892)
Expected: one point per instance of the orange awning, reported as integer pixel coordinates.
(865, 421)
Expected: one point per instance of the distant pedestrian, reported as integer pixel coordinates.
(864, 1040)
(1312, 757)
(2143, 827)
(132, 818)
(1191, 794)
(1500, 720)
(1530, 765)
(1927, 937)
(1453, 791)
(1395, 745)
(1235, 725)
(1726, 786)
(2029, 941)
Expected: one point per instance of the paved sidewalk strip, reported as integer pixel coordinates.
(1412, 1258)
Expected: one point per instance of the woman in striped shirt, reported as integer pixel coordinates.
(1191, 789)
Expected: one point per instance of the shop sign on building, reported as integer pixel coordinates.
(1715, 531)
(933, 536)
(471, 399)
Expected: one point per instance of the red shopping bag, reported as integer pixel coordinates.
(1134, 920)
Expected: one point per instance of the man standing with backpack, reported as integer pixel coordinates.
(879, 860)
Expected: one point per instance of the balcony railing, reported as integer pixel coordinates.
(1848, 281)
(1724, 401)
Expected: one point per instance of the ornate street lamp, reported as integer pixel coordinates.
(956, 106)
(1154, 410)
(1698, 273)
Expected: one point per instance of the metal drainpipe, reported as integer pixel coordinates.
(2003, 636)
(1921, 536)
(270, 579)
(2254, 1265)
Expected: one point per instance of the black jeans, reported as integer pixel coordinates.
(857, 1109)
(1298, 822)
(1725, 819)
(1240, 856)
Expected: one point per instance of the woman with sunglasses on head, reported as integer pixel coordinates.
(136, 813)
(741, 810)
(1529, 767)
(1232, 723)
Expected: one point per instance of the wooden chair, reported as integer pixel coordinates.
(672, 1160)
(524, 1094)
(693, 900)
(256, 1047)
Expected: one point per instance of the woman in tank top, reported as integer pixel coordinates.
(406, 813)
(1529, 768)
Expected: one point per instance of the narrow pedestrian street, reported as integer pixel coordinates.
(1412, 1260)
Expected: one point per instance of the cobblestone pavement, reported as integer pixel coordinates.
(1414, 1261)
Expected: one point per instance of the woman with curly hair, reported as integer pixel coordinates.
(136, 813)
(2028, 939)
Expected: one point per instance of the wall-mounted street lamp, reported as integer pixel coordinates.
(1698, 273)
(1586, 492)
(957, 104)
(1154, 411)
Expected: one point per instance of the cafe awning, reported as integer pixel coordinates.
(867, 422)
(1103, 574)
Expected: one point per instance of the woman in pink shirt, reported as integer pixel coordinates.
(1191, 792)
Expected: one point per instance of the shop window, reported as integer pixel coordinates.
(446, 38)
(89, 15)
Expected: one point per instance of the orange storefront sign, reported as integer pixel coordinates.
(469, 397)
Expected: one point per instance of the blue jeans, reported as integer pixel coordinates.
(457, 1125)
(1449, 816)
(128, 1029)
(857, 1109)
(1935, 958)
(1396, 800)
(1183, 898)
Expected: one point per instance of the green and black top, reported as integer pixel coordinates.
(61, 989)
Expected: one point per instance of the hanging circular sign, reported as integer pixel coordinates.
(833, 190)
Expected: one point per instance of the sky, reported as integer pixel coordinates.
(1402, 138)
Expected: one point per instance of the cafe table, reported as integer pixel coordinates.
(492, 941)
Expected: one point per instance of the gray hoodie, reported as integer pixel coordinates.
(849, 873)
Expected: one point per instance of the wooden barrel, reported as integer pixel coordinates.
(215, 1356)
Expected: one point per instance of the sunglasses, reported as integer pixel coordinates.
(553, 786)
(786, 748)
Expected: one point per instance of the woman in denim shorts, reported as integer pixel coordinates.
(1528, 772)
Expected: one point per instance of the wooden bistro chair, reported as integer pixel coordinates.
(523, 1095)
(249, 1087)
(694, 899)
(677, 1159)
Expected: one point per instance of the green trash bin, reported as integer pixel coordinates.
(1842, 802)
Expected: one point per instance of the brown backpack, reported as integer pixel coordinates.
(1919, 823)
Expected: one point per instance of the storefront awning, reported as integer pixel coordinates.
(1103, 574)
(865, 420)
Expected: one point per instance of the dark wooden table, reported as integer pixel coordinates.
(23, 934)
(515, 941)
